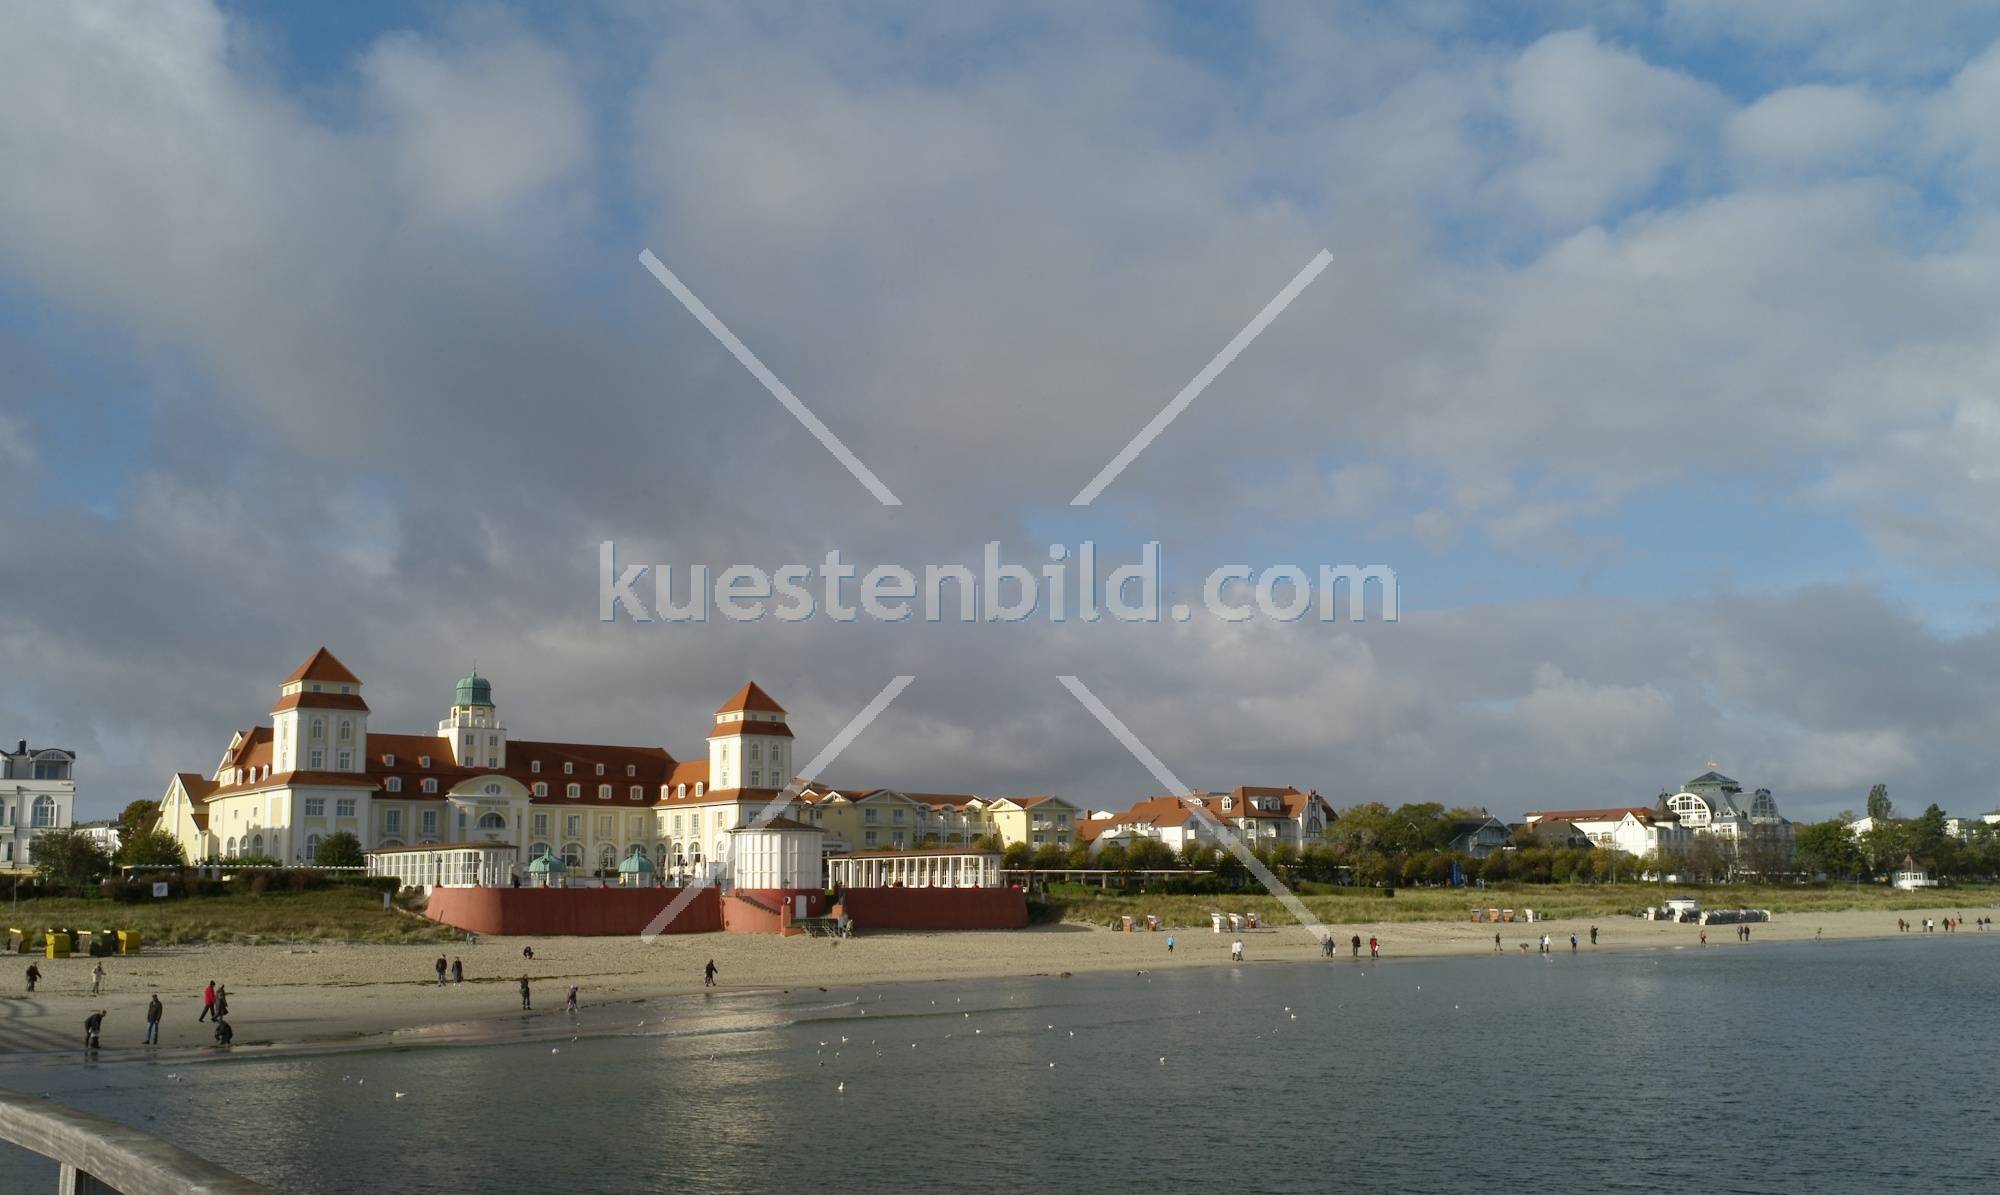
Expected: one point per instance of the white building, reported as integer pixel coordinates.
(1257, 816)
(37, 793)
(1634, 829)
(319, 768)
(1713, 804)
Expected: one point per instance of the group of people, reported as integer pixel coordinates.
(1949, 923)
(214, 1001)
(1543, 945)
(457, 970)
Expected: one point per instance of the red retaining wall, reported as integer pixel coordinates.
(582, 912)
(937, 908)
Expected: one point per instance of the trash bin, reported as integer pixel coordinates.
(57, 944)
(128, 941)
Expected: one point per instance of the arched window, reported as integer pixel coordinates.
(346, 731)
(44, 814)
(492, 821)
(697, 789)
(257, 845)
(541, 788)
(574, 791)
(536, 850)
(229, 849)
(312, 848)
(607, 857)
(604, 792)
(573, 855)
(319, 728)
(681, 792)
(492, 790)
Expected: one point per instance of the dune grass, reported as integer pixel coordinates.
(330, 914)
(1360, 906)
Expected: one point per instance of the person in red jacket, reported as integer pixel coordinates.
(207, 1003)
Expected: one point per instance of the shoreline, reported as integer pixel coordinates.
(333, 997)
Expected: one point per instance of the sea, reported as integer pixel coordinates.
(1769, 1067)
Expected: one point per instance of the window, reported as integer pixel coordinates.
(698, 786)
(343, 807)
(870, 816)
(430, 784)
(347, 761)
(871, 838)
(756, 778)
(493, 740)
(536, 766)
(681, 792)
(429, 821)
(317, 759)
(392, 821)
(319, 728)
(492, 821)
(677, 823)
(389, 761)
(541, 788)
(898, 838)
(573, 825)
(312, 847)
(316, 806)
(600, 769)
(346, 731)
(631, 770)
(541, 825)
(604, 792)
(423, 761)
(573, 791)
(492, 790)
(756, 752)
(638, 794)
(568, 767)
(898, 817)
(393, 784)
(45, 811)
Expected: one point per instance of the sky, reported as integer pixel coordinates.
(1657, 355)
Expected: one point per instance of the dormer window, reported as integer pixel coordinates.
(423, 761)
(347, 688)
(393, 784)
(536, 766)
(541, 788)
(604, 792)
(631, 769)
(430, 784)
(573, 791)
(568, 768)
(600, 769)
(315, 686)
(389, 761)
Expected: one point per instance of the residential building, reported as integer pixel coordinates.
(1478, 837)
(1633, 829)
(1258, 816)
(37, 794)
(1713, 804)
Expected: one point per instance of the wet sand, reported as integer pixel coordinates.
(332, 994)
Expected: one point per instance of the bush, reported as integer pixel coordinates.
(341, 849)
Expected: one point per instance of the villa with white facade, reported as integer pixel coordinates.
(37, 793)
(1259, 816)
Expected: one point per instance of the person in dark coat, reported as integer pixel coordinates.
(223, 1033)
(34, 976)
(93, 1026)
(153, 1011)
(526, 1004)
(458, 970)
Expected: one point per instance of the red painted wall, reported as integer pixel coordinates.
(582, 912)
(937, 908)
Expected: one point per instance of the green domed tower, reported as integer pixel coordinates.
(478, 740)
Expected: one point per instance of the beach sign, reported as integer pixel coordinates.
(159, 889)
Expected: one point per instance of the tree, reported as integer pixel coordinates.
(1927, 835)
(339, 849)
(1078, 855)
(1829, 847)
(1016, 856)
(137, 818)
(151, 848)
(69, 857)
(1050, 857)
(1879, 807)
(1149, 854)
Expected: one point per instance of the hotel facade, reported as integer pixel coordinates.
(319, 768)
(37, 794)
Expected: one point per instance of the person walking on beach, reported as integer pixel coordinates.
(97, 979)
(1704, 937)
(528, 952)
(1374, 947)
(1236, 951)
(1572, 941)
(93, 1026)
(1356, 942)
(1170, 943)
(569, 1005)
(440, 970)
(1496, 943)
(1593, 935)
(34, 977)
(207, 1003)
(708, 974)
(526, 1004)
(221, 1001)
(223, 1033)
(1818, 932)
(153, 1010)
(458, 970)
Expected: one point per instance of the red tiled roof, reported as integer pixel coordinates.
(725, 730)
(750, 697)
(306, 699)
(1611, 814)
(323, 667)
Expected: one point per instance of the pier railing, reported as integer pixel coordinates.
(102, 1157)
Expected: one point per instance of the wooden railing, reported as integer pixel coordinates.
(102, 1157)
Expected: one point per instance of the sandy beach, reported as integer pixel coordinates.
(332, 994)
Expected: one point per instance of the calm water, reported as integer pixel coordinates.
(1779, 1068)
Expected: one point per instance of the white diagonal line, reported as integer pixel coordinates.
(1151, 762)
(786, 796)
(1209, 373)
(778, 389)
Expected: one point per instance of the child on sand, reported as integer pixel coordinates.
(569, 1005)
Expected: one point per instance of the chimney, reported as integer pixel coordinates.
(22, 749)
